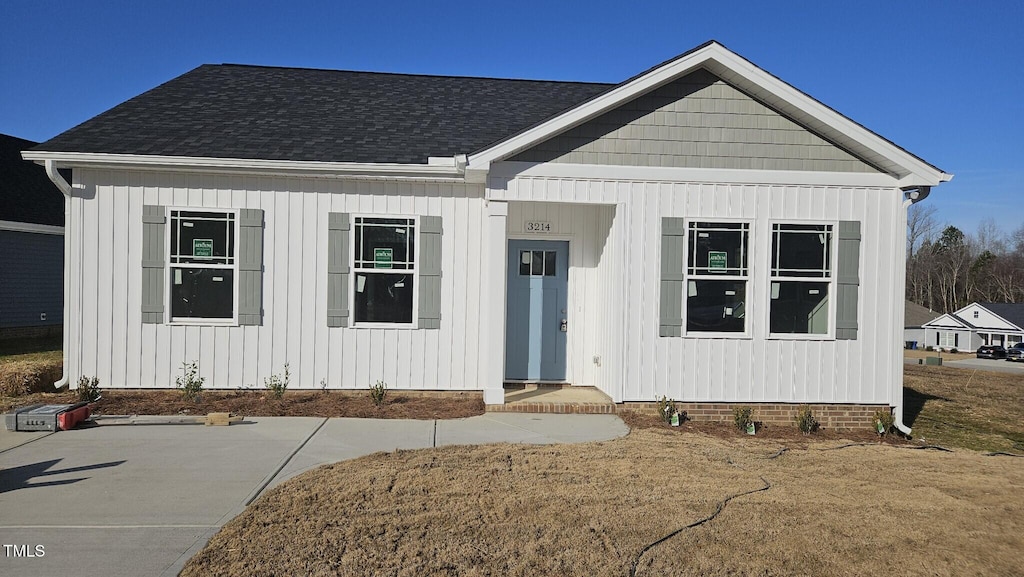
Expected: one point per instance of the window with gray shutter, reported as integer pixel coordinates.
(397, 262)
(250, 266)
(847, 279)
(154, 219)
(673, 247)
(338, 229)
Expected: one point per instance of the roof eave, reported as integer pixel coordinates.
(436, 169)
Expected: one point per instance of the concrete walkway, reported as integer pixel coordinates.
(142, 499)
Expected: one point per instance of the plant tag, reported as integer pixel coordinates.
(880, 427)
(675, 420)
(750, 428)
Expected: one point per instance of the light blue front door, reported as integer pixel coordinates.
(538, 279)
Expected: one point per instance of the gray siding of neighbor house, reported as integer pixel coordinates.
(31, 279)
(698, 121)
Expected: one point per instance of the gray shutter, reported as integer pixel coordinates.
(429, 264)
(250, 266)
(154, 256)
(673, 250)
(847, 279)
(338, 227)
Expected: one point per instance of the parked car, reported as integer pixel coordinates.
(1015, 353)
(991, 352)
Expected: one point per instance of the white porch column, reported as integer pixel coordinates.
(494, 241)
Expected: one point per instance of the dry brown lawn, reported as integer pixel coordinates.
(954, 407)
(946, 356)
(597, 508)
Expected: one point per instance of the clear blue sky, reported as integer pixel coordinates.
(944, 80)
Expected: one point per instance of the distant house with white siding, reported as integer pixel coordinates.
(914, 317)
(31, 246)
(702, 231)
(975, 325)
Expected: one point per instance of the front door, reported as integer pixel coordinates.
(536, 321)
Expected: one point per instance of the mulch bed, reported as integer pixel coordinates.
(790, 435)
(262, 404)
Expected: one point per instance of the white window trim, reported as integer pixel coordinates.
(355, 270)
(749, 279)
(169, 267)
(952, 337)
(831, 280)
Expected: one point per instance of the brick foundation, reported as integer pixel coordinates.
(562, 408)
(830, 416)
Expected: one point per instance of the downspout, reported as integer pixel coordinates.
(65, 188)
(912, 196)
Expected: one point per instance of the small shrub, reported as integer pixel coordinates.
(805, 420)
(190, 383)
(929, 348)
(742, 417)
(954, 350)
(379, 392)
(277, 385)
(884, 422)
(323, 385)
(88, 389)
(667, 408)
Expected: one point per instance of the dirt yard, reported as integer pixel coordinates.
(609, 508)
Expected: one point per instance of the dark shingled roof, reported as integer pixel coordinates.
(235, 111)
(26, 193)
(1013, 312)
(916, 315)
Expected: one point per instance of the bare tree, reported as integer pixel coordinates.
(989, 238)
(921, 225)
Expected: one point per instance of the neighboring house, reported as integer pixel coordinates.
(31, 246)
(975, 325)
(914, 317)
(702, 231)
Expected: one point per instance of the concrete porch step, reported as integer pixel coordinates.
(553, 398)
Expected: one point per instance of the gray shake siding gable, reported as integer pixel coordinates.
(698, 121)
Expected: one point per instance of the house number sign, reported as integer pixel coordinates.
(538, 226)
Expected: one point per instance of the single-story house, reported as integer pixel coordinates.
(702, 231)
(975, 325)
(31, 246)
(914, 316)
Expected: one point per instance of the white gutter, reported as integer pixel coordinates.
(912, 196)
(444, 169)
(65, 188)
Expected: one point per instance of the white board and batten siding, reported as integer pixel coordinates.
(621, 313)
(109, 341)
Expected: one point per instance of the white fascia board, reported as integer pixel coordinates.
(719, 60)
(448, 171)
(946, 321)
(509, 169)
(31, 227)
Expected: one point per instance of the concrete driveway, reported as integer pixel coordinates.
(142, 499)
